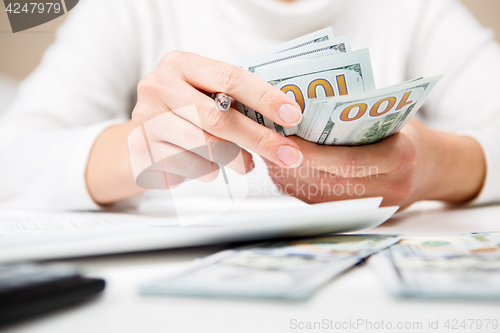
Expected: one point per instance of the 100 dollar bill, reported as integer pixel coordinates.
(461, 266)
(298, 45)
(277, 269)
(324, 48)
(334, 75)
(364, 118)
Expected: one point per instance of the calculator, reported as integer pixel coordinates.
(31, 289)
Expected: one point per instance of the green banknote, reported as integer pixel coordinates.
(335, 88)
(462, 266)
(364, 118)
(291, 269)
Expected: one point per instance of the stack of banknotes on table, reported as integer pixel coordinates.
(462, 266)
(335, 88)
(291, 269)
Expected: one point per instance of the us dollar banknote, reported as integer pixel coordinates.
(287, 269)
(323, 48)
(299, 45)
(364, 118)
(459, 266)
(312, 46)
(319, 71)
(303, 79)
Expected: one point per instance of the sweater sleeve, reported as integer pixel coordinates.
(449, 40)
(84, 84)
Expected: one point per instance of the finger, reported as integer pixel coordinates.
(173, 179)
(176, 160)
(353, 162)
(247, 88)
(158, 179)
(233, 126)
(394, 189)
(307, 175)
(316, 175)
(185, 134)
(333, 189)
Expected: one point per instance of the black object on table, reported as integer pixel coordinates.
(28, 289)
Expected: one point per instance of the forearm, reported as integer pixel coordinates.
(458, 170)
(109, 173)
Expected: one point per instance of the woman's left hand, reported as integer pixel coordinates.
(418, 163)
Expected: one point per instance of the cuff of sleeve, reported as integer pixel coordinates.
(490, 193)
(78, 197)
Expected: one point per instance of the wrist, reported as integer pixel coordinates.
(109, 174)
(457, 166)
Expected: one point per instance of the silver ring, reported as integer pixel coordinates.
(222, 101)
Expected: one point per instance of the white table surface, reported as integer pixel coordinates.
(355, 295)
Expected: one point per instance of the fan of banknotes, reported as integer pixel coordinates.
(336, 90)
(455, 266)
(281, 269)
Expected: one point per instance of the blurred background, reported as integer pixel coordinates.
(21, 52)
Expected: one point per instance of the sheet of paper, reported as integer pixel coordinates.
(44, 235)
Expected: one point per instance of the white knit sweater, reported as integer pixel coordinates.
(87, 79)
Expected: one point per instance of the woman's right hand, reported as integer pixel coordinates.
(175, 132)
(177, 127)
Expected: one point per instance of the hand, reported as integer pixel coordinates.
(182, 79)
(417, 163)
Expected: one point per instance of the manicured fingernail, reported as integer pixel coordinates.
(291, 156)
(250, 167)
(290, 114)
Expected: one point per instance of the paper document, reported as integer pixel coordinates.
(43, 235)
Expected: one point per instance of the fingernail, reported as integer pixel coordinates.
(290, 114)
(291, 156)
(250, 167)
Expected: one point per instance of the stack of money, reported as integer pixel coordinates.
(286, 269)
(462, 266)
(335, 88)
